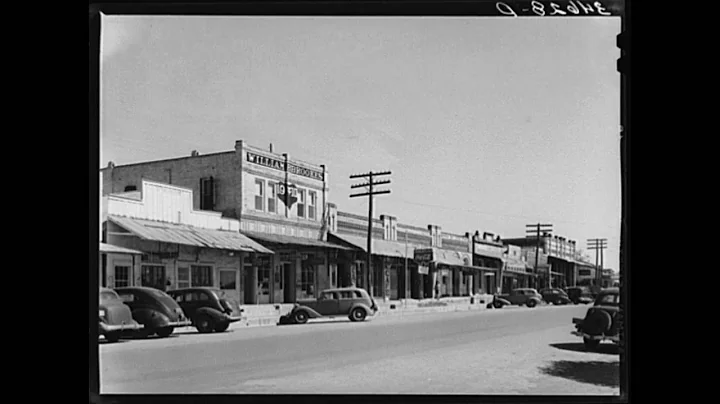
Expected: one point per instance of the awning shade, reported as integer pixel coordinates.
(109, 248)
(450, 257)
(188, 235)
(379, 247)
(281, 239)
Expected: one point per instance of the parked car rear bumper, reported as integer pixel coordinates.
(118, 327)
(613, 338)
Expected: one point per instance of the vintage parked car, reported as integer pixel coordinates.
(555, 296)
(353, 302)
(579, 294)
(209, 309)
(114, 317)
(603, 320)
(527, 296)
(154, 309)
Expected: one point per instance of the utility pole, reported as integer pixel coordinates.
(371, 192)
(597, 244)
(535, 230)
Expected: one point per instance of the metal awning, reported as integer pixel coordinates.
(379, 247)
(303, 241)
(188, 235)
(110, 248)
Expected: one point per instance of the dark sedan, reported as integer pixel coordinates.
(208, 308)
(555, 296)
(154, 309)
(579, 295)
(114, 317)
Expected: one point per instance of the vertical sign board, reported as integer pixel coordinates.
(423, 257)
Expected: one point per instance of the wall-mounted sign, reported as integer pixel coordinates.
(287, 194)
(423, 255)
(423, 269)
(280, 165)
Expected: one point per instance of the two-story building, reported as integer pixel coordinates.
(516, 273)
(157, 239)
(556, 264)
(279, 202)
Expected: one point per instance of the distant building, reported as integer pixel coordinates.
(556, 261)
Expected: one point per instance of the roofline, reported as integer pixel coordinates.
(166, 160)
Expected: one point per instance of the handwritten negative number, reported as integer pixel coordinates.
(538, 8)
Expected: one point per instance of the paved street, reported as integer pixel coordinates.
(507, 351)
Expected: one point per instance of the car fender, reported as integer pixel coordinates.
(310, 312)
(504, 302)
(214, 314)
(150, 318)
(364, 306)
(537, 300)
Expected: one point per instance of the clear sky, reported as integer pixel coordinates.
(487, 124)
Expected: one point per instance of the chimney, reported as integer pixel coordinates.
(238, 145)
(271, 148)
(111, 164)
(194, 153)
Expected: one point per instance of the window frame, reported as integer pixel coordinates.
(128, 267)
(210, 273)
(261, 196)
(301, 203)
(207, 182)
(273, 198)
(312, 208)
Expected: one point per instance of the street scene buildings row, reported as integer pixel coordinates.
(259, 226)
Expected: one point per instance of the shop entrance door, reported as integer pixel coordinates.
(279, 286)
(263, 285)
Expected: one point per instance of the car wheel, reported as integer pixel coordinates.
(221, 327)
(357, 314)
(145, 332)
(165, 331)
(300, 317)
(113, 336)
(204, 324)
(591, 344)
(531, 303)
(497, 305)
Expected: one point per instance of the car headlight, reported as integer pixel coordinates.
(101, 312)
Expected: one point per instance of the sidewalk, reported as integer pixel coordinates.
(269, 314)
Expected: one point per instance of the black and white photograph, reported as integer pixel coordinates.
(361, 204)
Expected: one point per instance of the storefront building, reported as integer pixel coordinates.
(118, 266)
(394, 273)
(181, 247)
(556, 260)
(280, 203)
(488, 252)
(515, 273)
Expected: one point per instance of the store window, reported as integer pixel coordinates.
(201, 275)
(272, 198)
(228, 279)
(301, 203)
(312, 205)
(307, 281)
(122, 276)
(259, 194)
(153, 276)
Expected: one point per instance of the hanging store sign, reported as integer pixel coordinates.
(423, 255)
(280, 165)
(423, 269)
(287, 193)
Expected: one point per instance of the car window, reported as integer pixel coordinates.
(609, 299)
(329, 295)
(179, 297)
(358, 294)
(203, 296)
(348, 294)
(189, 297)
(128, 297)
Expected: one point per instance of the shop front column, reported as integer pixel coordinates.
(289, 283)
(251, 281)
(433, 280)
